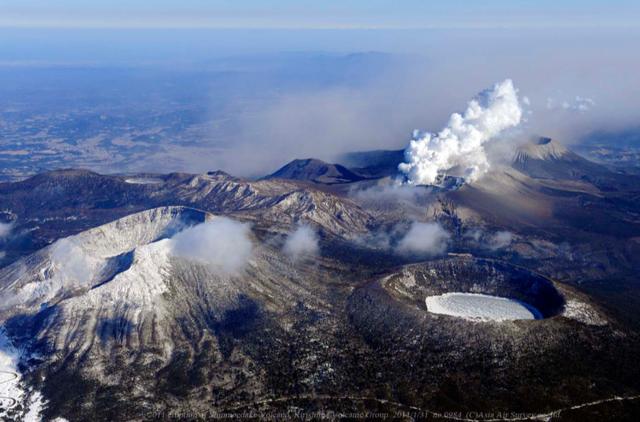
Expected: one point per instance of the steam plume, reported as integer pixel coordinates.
(500, 240)
(72, 262)
(424, 239)
(5, 229)
(303, 241)
(221, 243)
(459, 146)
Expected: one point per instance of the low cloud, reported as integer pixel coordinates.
(499, 240)
(393, 192)
(221, 243)
(376, 240)
(72, 262)
(578, 104)
(301, 242)
(409, 200)
(424, 239)
(5, 230)
(494, 241)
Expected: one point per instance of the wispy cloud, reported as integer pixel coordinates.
(578, 104)
(5, 230)
(72, 263)
(499, 240)
(221, 243)
(302, 242)
(424, 239)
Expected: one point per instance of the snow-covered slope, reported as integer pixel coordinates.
(128, 248)
(126, 292)
(277, 203)
(65, 202)
(16, 401)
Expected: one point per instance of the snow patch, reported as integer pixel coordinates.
(12, 392)
(583, 312)
(99, 258)
(143, 181)
(137, 287)
(480, 307)
(34, 407)
(408, 279)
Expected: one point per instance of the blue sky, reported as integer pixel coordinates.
(319, 14)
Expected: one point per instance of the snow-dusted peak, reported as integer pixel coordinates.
(135, 286)
(131, 248)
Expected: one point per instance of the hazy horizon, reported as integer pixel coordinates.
(247, 101)
(327, 14)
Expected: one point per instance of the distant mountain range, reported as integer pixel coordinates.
(541, 158)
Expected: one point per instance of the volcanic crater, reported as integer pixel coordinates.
(454, 281)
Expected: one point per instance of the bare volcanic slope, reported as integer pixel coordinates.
(546, 158)
(374, 164)
(549, 187)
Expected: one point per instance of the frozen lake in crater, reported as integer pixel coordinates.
(143, 181)
(481, 307)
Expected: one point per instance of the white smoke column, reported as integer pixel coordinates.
(460, 144)
(302, 242)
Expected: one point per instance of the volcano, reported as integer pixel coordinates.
(104, 319)
(545, 158)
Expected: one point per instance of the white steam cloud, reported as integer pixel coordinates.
(493, 241)
(5, 229)
(424, 239)
(72, 263)
(302, 242)
(459, 146)
(500, 240)
(221, 243)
